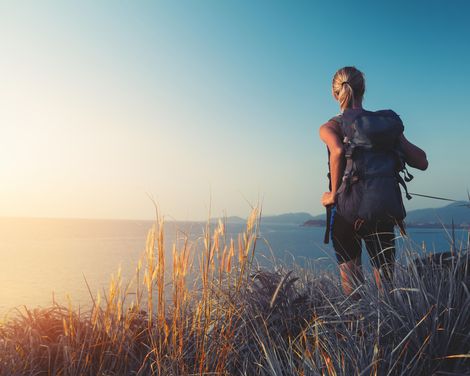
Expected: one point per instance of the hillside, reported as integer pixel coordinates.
(459, 212)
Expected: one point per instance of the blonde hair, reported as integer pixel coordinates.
(348, 87)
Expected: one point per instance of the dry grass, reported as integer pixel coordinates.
(234, 319)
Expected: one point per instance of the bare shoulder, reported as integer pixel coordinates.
(330, 134)
(331, 127)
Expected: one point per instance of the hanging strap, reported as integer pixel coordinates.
(326, 238)
(403, 184)
(408, 176)
(435, 197)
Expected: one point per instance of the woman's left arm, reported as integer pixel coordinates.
(330, 134)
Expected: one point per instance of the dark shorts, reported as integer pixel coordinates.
(379, 240)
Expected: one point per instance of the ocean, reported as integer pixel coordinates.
(46, 259)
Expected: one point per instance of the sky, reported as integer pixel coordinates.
(211, 106)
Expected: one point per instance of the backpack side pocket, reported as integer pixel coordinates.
(350, 200)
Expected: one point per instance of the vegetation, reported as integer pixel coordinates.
(217, 313)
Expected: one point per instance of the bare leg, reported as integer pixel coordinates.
(351, 275)
(380, 244)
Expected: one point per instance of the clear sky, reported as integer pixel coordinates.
(199, 102)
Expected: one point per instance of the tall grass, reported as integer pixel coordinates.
(216, 312)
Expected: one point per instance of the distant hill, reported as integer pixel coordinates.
(457, 211)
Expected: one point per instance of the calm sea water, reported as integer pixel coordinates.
(42, 258)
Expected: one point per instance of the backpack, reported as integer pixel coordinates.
(370, 189)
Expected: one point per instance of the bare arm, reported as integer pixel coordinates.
(414, 156)
(330, 134)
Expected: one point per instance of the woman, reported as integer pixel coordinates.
(348, 89)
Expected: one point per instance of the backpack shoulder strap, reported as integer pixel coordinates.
(348, 129)
(347, 121)
(337, 118)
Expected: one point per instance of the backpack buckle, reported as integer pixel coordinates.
(408, 177)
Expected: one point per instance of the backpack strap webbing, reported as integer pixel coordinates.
(347, 132)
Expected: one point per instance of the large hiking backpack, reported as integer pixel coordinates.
(370, 189)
